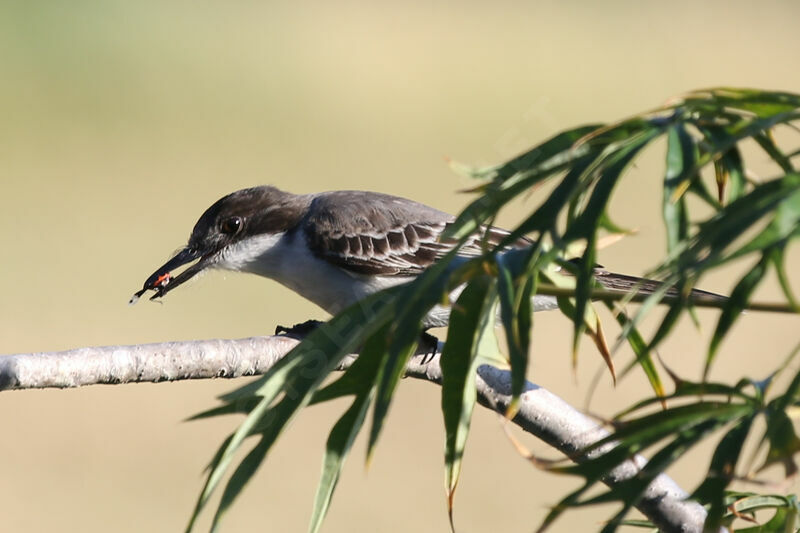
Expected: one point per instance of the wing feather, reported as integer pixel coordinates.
(373, 233)
(377, 234)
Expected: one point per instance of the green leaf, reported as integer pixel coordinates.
(516, 291)
(728, 166)
(360, 379)
(635, 435)
(468, 323)
(584, 284)
(680, 163)
(530, 168)
(707, 390)
(692, 428)
(784, 520)
(785, 224)
(721, 472)
(766, 142)
(610, 169)
(424, 292)
(243, 473)
(337, 448)
(761, 103)
(545, 217)
(705, 249)
(643, 356)
(736, 303)
(298, 373)
(778, 262)
(631, 491)
(783, 441)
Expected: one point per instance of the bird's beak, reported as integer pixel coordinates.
(162, 281)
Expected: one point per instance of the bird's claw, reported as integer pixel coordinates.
(298, 330)
(431, 346)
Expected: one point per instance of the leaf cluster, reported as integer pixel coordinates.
(714, 212)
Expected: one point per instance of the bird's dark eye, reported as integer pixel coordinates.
(231, 225)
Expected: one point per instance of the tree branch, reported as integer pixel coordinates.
(541, 413)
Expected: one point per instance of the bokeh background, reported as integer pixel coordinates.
(120, 122)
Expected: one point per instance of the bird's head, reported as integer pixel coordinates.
(223, 232)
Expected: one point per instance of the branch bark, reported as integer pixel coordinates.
(541, 413)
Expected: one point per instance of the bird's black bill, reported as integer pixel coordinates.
(162, 281)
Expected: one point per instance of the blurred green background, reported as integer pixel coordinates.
(120, 122)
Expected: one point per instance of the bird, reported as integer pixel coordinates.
(335, 248)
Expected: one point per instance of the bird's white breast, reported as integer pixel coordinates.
(285, 258)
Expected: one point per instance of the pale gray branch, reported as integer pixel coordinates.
(541, 413)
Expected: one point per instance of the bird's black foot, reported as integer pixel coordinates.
(300, 330)
(430, 344)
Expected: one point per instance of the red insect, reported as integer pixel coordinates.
(157, 285)
(162, 280)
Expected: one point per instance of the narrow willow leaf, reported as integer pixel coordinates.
(222, 460)
(786, 512)
(583, 288)
(676, 308)
(299, 373)
(591, 326)
(785, 224)
(729, 160)
(721, 472)
(784, 520)
(689, 433)
(636, 434)
(424, 292)
(243, 473)
(686, 389)
(744, 129)
(361, 373)
(761, 103)
(644, 309)
(680, 162)
(792, 392)
(736, 303)
(468, 321)
(605, 222)
(556, 146)
(200, 502)
(631, 491)
(778, 262)
(362, 382)
(530, 168)
(643, 356)
(595, 331)
(337, 448)
(515, 291)
(643, 524)
(766, 142)
(524, 324)
(722, 179)
(326, 344)
(585, 225)
(545, 217)
(783, 442)
(270, 428)
(610, 168)
(705, 249)
(241, 406)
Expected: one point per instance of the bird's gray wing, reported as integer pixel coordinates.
(378, 234)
